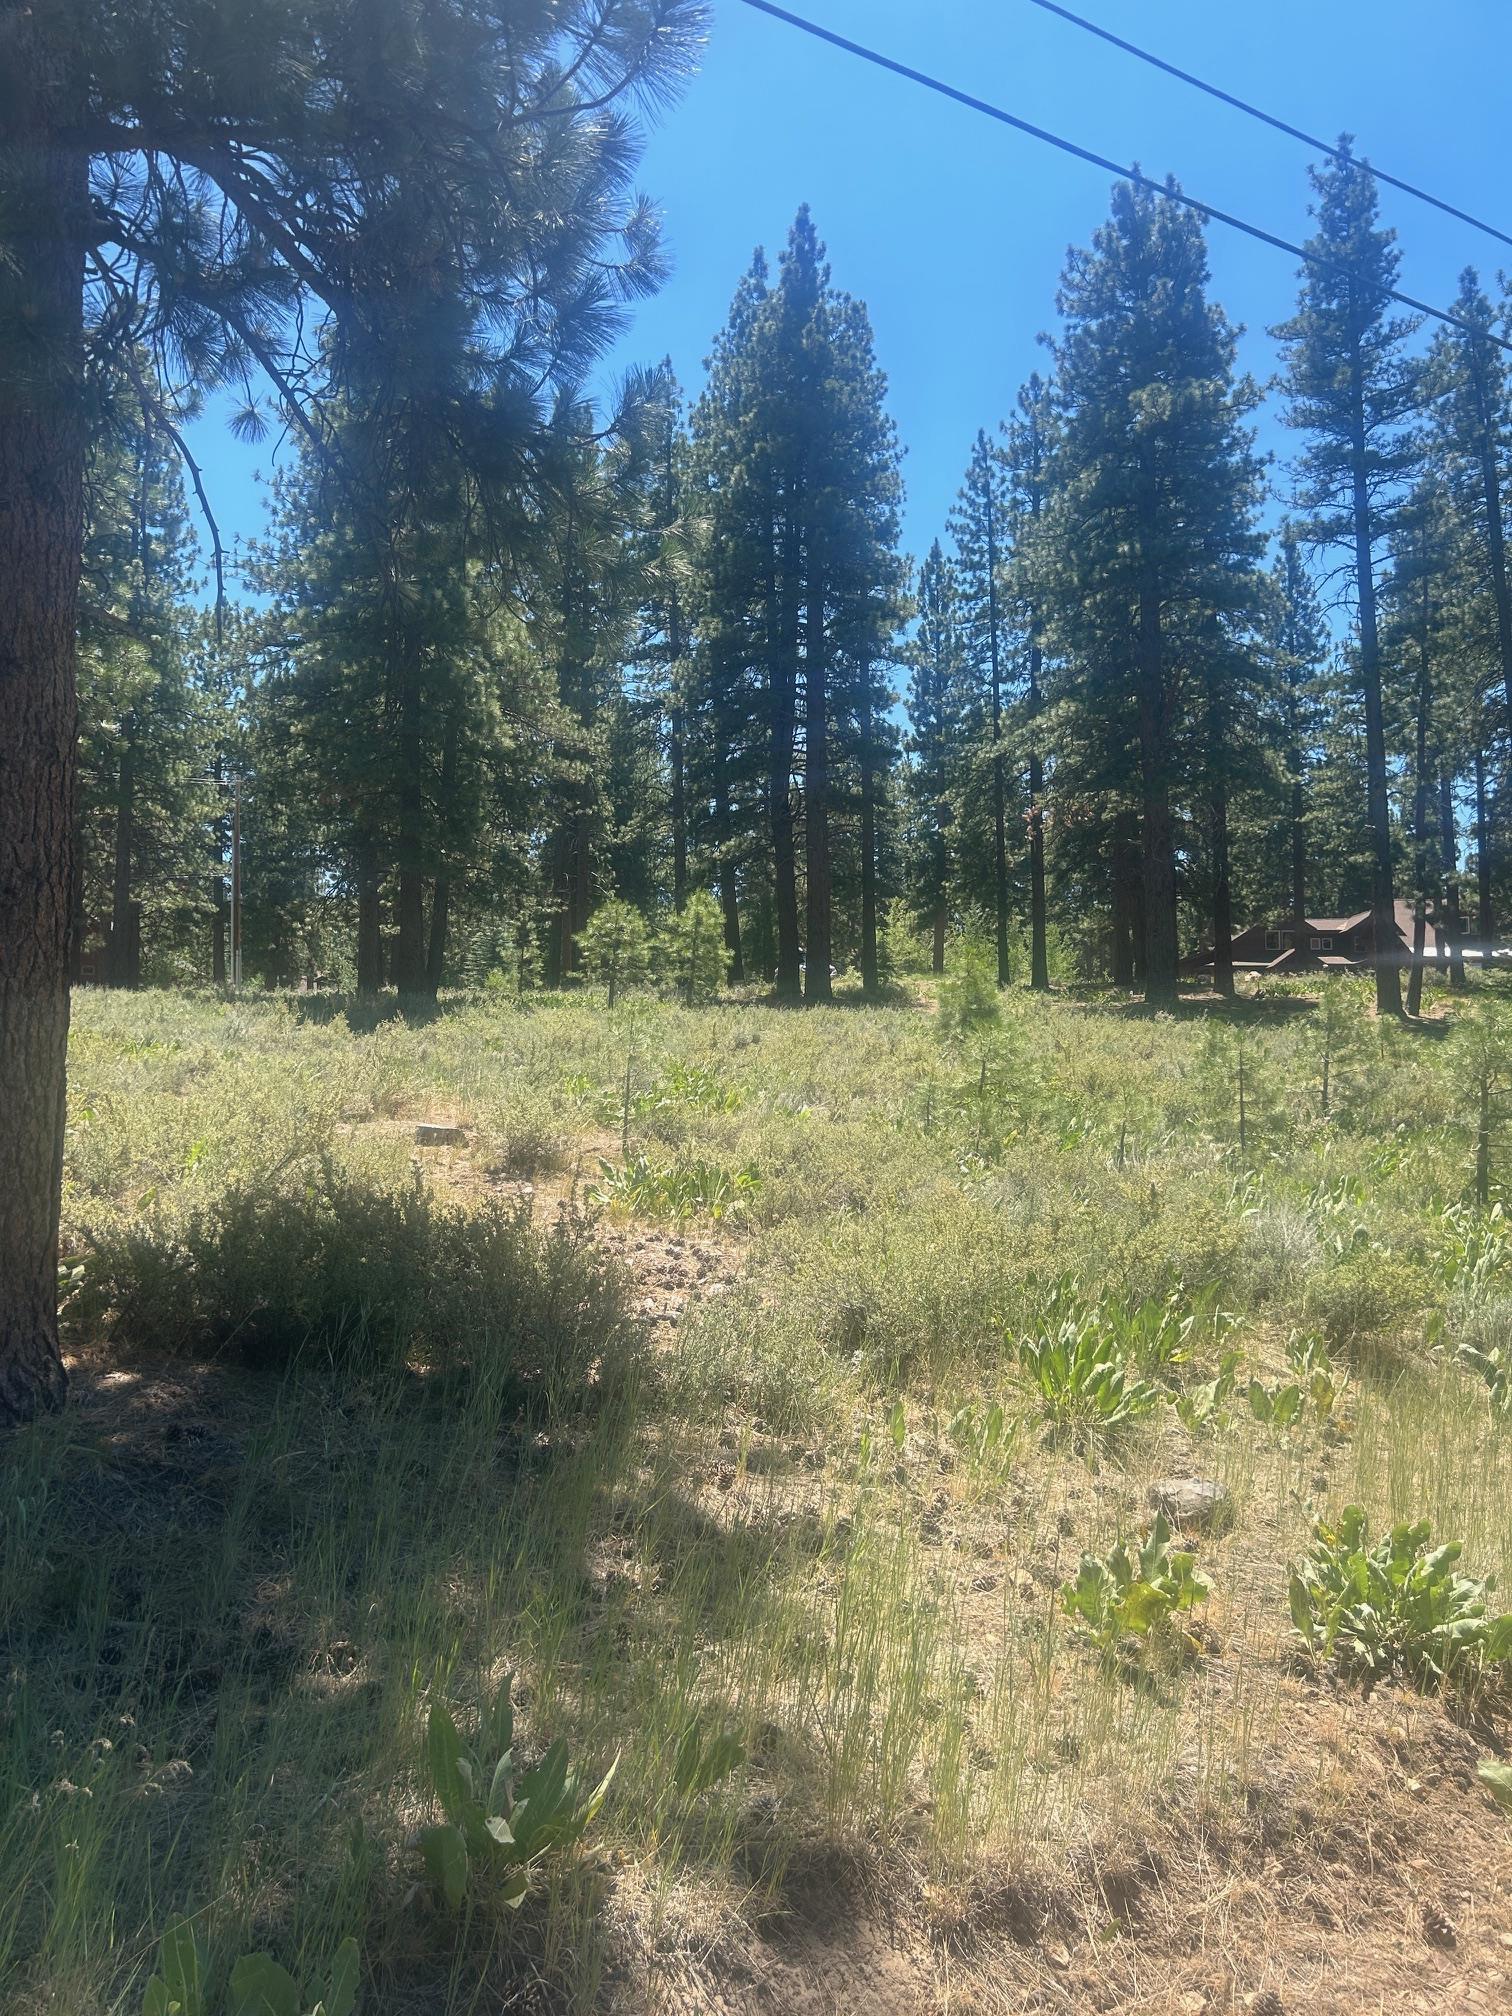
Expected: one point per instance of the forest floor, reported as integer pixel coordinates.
(686, 1385)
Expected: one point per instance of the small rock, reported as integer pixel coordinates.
(434, 1134)
(1191, 1501)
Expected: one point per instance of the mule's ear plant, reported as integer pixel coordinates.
(703, 1757)
(1137, 1595)
(1396, 1606)
(499, 1821)
(1084, 1381)
(259, 1986)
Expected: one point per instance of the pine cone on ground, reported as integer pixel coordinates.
(1267, 2003)
(1437, 1928)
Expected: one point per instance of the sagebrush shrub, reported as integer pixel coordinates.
(368, 1279)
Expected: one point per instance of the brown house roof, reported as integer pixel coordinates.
(1300, 953)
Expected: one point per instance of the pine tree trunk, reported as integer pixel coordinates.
(1039, 966)
(679, 811)
(1223, 897)
(1454, 924)
(1157, 834)
(729, 897)
(870, 975)
(782, 676)
(218, 934)
(1420, 817)
(440, 917)
(409, 938)
(816, 789)
(118, 945)
(1495, 528)
(41, 541)
(999, 786)
(1388, 979)
(369, 926)
(409, 903)
(1482, 852)
(435, 950)
(1125, 902)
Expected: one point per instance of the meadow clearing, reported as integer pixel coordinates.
(770, 1394)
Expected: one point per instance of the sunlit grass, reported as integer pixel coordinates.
(227, 1598)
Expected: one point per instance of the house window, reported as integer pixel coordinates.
(1273, 941)
(1327, 944)
(1317, 944)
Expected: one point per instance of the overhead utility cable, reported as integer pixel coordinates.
(1209, 211)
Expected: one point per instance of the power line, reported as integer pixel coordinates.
(1269, 118)
(1207, 210)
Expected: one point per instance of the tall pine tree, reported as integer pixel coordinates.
(1353, 388)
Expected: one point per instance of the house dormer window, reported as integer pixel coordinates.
(1322, 944)
(1273, 941)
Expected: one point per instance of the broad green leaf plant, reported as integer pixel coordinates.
(259, 1986)
(1396, 1606)
(1139, 1594)
(499, 1821)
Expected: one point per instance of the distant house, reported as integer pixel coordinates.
(1320, 944)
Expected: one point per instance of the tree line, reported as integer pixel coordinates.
(1127, 723)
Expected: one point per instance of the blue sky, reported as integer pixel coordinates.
(953, 229)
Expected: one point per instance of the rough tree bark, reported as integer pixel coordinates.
(41, 543)
(782, 658)
(1157, 834)
(1125, 900)
(1388, 978)
(816, 788)
(729, 896)
(870, 973)
(1482, 852)
(1454, 924)
(1039, 965)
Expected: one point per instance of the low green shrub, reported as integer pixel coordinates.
(984, 1436)
(1368, 1294)
(1396, 1606)
(1494, 1366)
(367, 1279)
